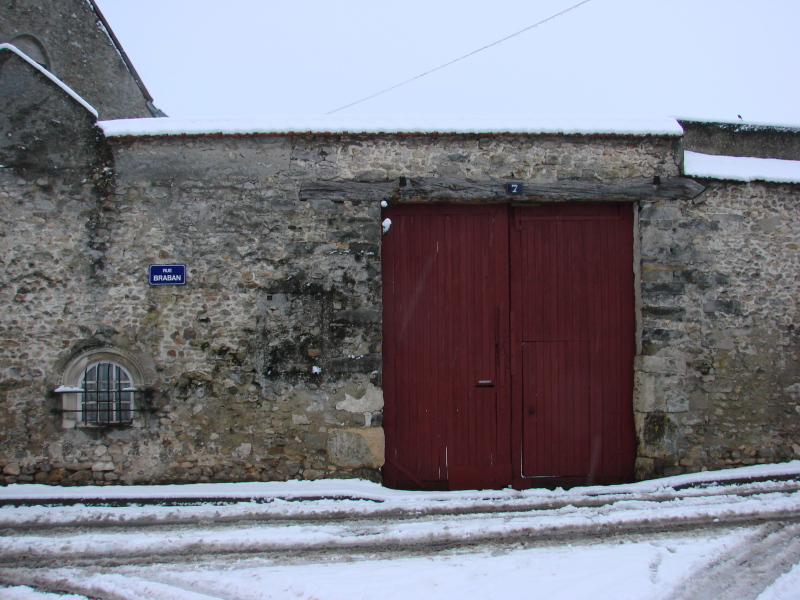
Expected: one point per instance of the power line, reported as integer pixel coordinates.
(440, 67)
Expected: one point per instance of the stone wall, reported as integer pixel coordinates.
(266, 365)
(718, 381)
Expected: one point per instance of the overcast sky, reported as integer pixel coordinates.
(708, 59)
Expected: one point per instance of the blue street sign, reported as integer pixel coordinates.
(167, 274)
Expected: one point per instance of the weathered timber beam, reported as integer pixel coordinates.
(339, 191)
(628, 189)
(451, 189)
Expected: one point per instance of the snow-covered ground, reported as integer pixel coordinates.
(728, 534)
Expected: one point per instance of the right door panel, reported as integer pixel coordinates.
(573, 343)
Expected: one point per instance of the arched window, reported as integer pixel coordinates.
(33, 48)
(107, 396)
(102, 387)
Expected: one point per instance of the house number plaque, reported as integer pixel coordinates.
(515, 189)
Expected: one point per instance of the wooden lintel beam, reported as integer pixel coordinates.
(337, 191)
(461, 190)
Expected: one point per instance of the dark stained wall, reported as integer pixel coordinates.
(44, 129)
(742, 139)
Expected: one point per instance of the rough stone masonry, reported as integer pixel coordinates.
(718, 381)
(267, 364)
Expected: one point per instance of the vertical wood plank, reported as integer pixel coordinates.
(575, 306)
(448, 277)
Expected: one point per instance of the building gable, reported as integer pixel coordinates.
(72, 40)
(44, 125)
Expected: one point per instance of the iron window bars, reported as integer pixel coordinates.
(105, 396)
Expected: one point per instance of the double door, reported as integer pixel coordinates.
(508, 345)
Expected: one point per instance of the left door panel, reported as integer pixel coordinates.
(445, 347)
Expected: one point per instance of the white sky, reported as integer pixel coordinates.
(712, 59)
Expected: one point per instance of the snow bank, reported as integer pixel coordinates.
(23, 592)
(389, 125)
(51, 77)
(741, 168)
(365, 490)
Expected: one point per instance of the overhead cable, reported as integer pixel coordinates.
(447, 64)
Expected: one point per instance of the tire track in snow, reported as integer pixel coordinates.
(746, 570)
(232, 512)
(103, 579)
(97, 585)
(425, 535)
(305, 535)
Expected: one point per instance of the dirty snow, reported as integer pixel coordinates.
(741, 168)
(353, 539)
(603, 571)
(368, 491)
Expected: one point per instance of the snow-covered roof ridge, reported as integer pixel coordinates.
(741, 168)
(390, 125)
(52, 77)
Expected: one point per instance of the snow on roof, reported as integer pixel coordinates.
(51, 77)
(389, 125)
(741, 168)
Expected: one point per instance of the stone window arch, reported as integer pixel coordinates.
(33, 48)
(102, 388)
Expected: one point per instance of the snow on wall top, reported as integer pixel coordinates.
(389, 125)
(741, 125)
(51, 77)
(741, 168)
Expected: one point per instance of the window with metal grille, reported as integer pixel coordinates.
(107, 395)
(103, 387)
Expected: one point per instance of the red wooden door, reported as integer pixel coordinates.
(573, 343)
(446, 349)
(508, 345)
